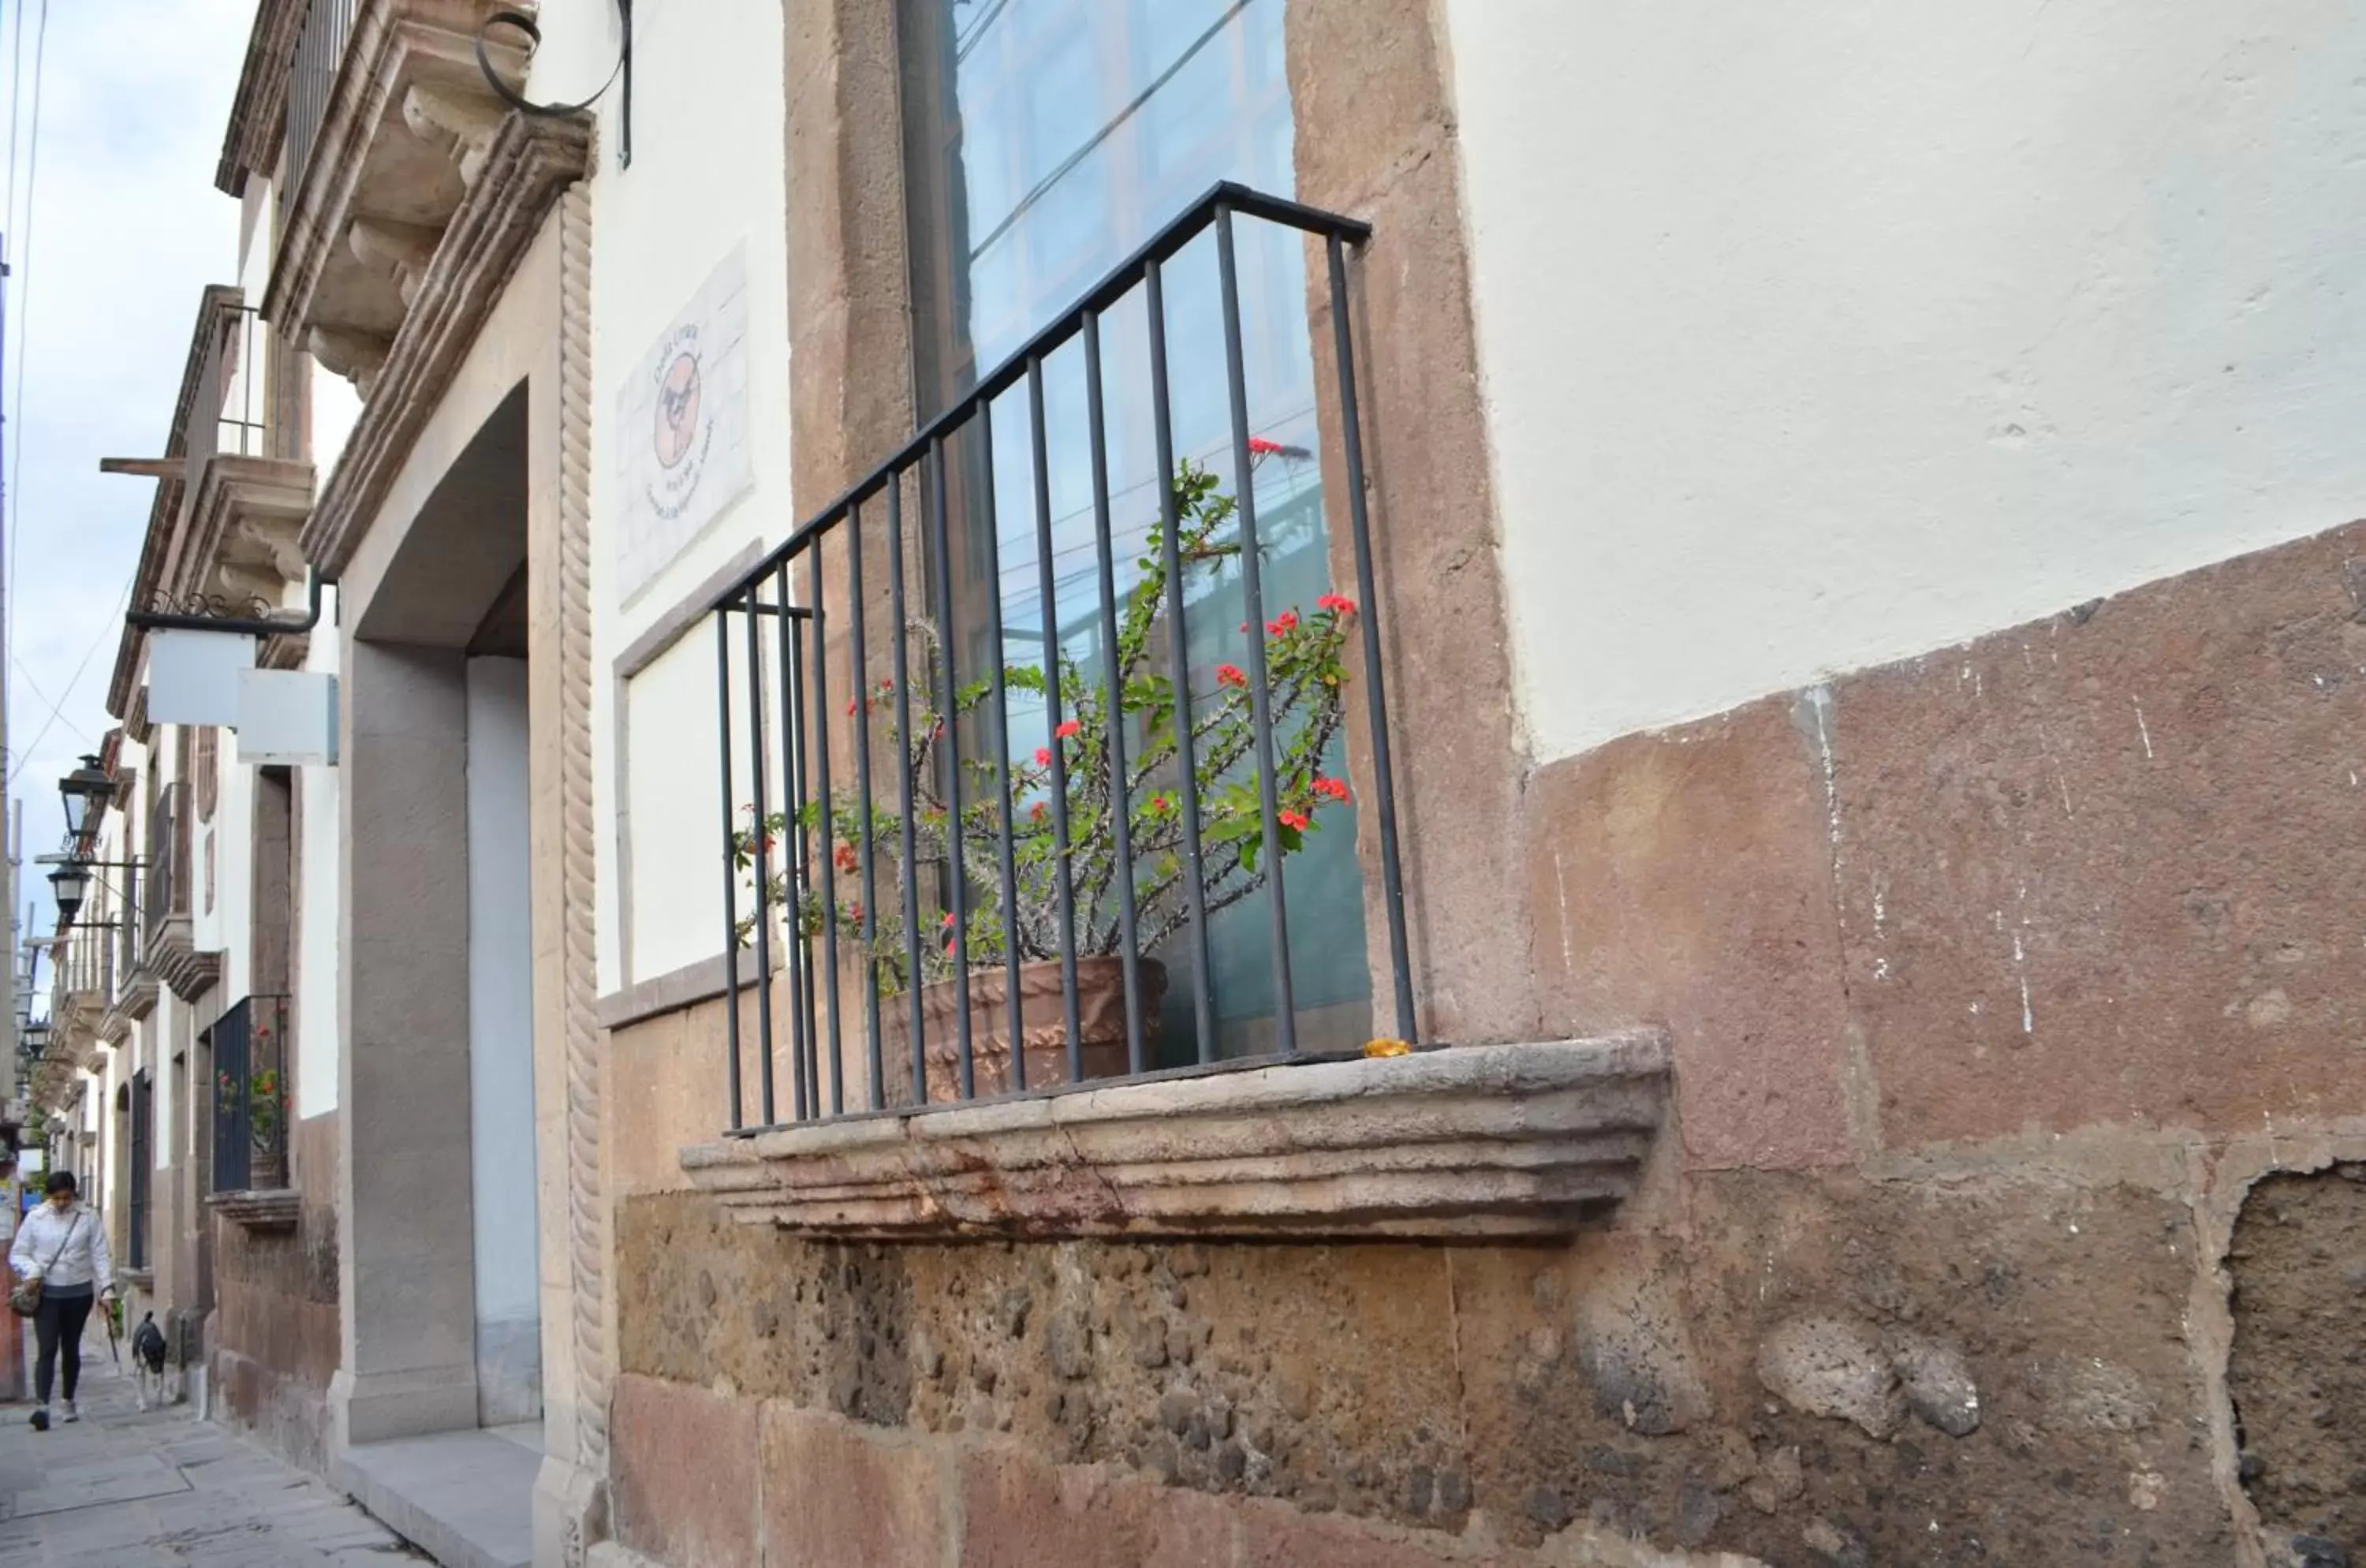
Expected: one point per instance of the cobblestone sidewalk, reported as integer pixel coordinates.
(127, 1489)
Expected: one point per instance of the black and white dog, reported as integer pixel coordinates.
(148, 1360)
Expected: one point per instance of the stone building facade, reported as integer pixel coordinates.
(1864, 556)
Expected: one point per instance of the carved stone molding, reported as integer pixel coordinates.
(240, 539)
(529, 163)
(1474, 1141)
(173, 953)
(278, 1209)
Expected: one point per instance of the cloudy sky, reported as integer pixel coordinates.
(122, 229)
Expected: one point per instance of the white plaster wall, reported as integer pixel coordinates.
(228, 927)
(500, 1039)
(317, 957)
(709, 174)
(1815, 337)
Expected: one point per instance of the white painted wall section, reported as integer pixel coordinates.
(500, 1045)
(1816, 337)
(318, 959)
(709, 174)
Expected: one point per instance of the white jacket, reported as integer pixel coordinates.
(76, 1238)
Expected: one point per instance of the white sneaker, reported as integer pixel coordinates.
(73, 1410)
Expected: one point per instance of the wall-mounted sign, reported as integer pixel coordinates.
(681, 428)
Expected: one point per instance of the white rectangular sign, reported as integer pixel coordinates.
(193, 676)
(681, 428)
(287, 716)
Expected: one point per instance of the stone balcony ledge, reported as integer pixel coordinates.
(274, 1209)
(1472, 1142)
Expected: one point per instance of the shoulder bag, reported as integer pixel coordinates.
(25, 1299)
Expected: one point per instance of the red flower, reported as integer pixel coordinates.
(854, 911)
(850, 707)
(1042, 755)
(948, 918)
(846, 857)
(1337, 603)
(1337, 789)
(1291, 819)
(1158, 803)
(1230, 675)
(1065, 730)
(1038, 811)
(1285, 622)
(1261, 447)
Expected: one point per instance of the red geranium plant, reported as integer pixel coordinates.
(1305, 670)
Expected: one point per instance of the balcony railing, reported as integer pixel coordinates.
(163, 859)
(312, 80)
(229, 410)
(957, 921)
(143, 1140)
(251, 1099)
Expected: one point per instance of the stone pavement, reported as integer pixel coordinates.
(124, 1489)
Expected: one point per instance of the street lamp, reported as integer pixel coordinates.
(68, 883)
(81, 789)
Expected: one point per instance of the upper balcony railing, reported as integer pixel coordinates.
(974, 912)
(229, 416)
(163, 862)
(312, 80)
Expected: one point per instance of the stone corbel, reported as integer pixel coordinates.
(240, 584)
(401, 250)
(274, 538)
(357, 356)
(465, 127)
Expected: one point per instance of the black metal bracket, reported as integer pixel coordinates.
(523, 105)
(249, 625)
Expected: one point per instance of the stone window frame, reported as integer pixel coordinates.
(1472, 1141)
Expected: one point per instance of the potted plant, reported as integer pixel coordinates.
(1305, 672)
(267, 1102)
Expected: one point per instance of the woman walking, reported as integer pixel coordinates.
(63, 1244)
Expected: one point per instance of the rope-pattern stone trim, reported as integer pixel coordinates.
(577, 978)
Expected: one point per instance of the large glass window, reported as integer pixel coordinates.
(1045, 140)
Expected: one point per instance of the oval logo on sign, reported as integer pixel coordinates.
(677, 421)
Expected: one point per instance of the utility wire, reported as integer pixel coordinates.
(111, 622)
(55, 706)
(23, 273)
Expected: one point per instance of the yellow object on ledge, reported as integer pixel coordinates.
(1388, 1048)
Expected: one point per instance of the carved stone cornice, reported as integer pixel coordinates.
(530, 162)
(134, 1000)
(217, 309)
(1474, 1141)
(399, 147)
(258, 118)
(173, 953)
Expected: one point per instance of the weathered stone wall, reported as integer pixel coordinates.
(274, 1333)
(1811, 1368)
(2004, 1216)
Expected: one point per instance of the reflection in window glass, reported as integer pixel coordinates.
(1045, 140)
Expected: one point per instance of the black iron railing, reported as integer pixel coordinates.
(973, 923)
(312, 80)
(143, 1114)
(164, 860)
(229, 414)
(252, 1098)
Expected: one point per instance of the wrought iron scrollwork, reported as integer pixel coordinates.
(212, 606)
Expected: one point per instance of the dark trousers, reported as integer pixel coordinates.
(59, 1325)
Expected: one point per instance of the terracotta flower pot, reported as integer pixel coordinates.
(1100, 1021)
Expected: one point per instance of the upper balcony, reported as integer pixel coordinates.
(407, 192)
(386, 123)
